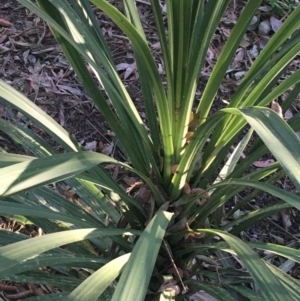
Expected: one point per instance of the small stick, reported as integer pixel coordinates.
(174, 265)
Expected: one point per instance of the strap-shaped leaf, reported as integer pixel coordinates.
(33, 173)
(94, 286)
(39, 211)
(278, 137)
(217, 292)
(135, 278)
(290, 253)
(14, 254)
(269, 285)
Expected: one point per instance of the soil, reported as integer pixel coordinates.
(32, 62)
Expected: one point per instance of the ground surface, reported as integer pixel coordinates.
(32, 62)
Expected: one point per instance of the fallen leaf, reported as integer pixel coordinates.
(202, 296)
(275, 23)
(91, 146)
(143, 194)
(262, 164)
(65, 88)
(245, 42)
(156, 45)
(129, 180)
(288, 114)
(129, 70)
(174, 168)
(264, 28)
(110, 133)
(239, 75)
(254, 23)
(5, 23)
(100, 146)
(238, 213)
(108, 148)
(280, 240)
(253, 52)
(122, 66)
(186, 188)
(116, 172)
(275, 106)
(61, 115)
(265, 8)
(263, 41)
(286, 220)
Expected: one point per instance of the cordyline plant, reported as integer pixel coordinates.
(177, 243)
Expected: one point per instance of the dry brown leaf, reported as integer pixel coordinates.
(239, 75)
(61, 115)
(286, 219)
(174, 168)
(264, 163)
(275, 106)
(155, 45)
(65, 88)
(21, 295)
(194, 234)
(116, 172)
(5, 23)
(129, 180)
(100, 146)
(110, 133)
(7, 287)
(264, 28)
(280, 240)
(70, 195)
(143, 194)
(275, 23)
(134, 186)
(91, 146)
(108, 148)
(129, 70)
(186, 188)
(288, 114)
(37, 291)
(122, 66)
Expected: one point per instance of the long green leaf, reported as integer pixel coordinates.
(26, 106)
(56, 259)
(94, 286)
(248, 293)
(217, 292)
(226, 57)
(32, 173)
(135, 278)
(161, 100)
(14, 254)
(284, 251)
(271, 288)
(278, 137)
(22, 209)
